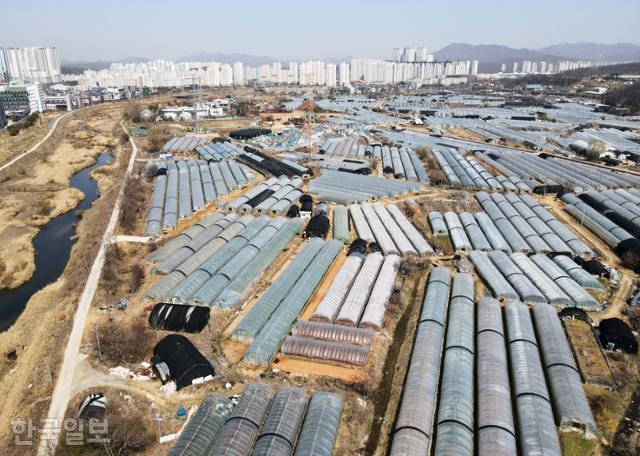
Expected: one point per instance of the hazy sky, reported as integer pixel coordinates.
(114, 29)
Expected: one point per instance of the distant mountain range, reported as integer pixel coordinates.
(100, 64)
(228, 58)
(491, 56)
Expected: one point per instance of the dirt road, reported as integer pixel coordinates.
(64, 384)
(54, 124)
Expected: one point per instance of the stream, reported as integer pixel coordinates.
(52, 246)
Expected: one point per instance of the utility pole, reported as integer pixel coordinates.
(197, 101)
(98, 341)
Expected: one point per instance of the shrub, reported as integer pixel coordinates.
(137, 277)
(121, 343)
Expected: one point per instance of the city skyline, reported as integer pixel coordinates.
(330, 32)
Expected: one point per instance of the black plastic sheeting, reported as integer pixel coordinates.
(306, 203)
(260, 197)
(364, 170)
(294, 211)
(248, 133)
(575, 312)
(176, 317)
(268, 164)
(547, 189)
(184, 360)
(578, 260)
(629, 252)
(318, 226)
(358, 246)
(375, 247)
(610, 214)
(594, 267)
(617, 332)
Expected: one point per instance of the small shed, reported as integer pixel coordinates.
(615, 334)
(185, 362)
(318, 226)
(177, 317)
(595, 268)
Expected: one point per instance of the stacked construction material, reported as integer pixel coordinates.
(284, 300)
(187, 187)
(389, 228)
(346, 188)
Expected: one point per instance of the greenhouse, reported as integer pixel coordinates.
(347, 188)
(238, 287)
(280, 429)
(496, 428)
(383, 237)
(455, 420)
(498, 284)
(569, 399)
(261, 311)
(171, 317)
(194, 279)
(243, 424)
(185, 236)
(525, 288)
(333, 333)
(360, 290)
(416, 238)
(414, 423)
(275, 329)
(326, 351)
(330, 305)
(360, 222)
(185, 362)
(341, 224)
(374, 312)
(320, 428)
(198, 434)
(536, 430)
